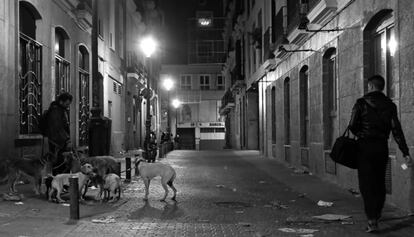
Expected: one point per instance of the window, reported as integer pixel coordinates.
(62, 65)
(380, 46)
(273, 122)
(112, 24)
(286, 90)
(204, 18)
(117, 88)
(330, 96)
(304, 108)
(121, 31)
(30, 70)
(185, 82)
(109, 109)
(100, 29)
(204, 82)
(220, 82)
(84, 77)
(273, 15)
(205, 48)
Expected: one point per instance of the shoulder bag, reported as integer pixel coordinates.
(344, 150)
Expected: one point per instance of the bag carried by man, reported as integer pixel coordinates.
(344, 150)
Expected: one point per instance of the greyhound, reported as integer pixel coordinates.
(150, 170)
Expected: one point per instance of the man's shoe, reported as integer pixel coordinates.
(372, 227)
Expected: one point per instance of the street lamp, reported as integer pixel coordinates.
(148, 46)
(168, 84)
(176, 103)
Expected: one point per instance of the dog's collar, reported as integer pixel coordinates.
(139, 161)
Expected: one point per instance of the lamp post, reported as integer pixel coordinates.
(168, 84)
(148, 47)
(176, 104)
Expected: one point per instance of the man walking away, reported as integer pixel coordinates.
(58, 130)
(374, 116)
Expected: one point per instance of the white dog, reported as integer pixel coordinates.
(63, 179)
(150, 170)
(112, 184)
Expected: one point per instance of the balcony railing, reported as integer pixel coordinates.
(83, 107)
(227, 102)
(30, 85)
(62, 75)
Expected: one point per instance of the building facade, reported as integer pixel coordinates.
(309, 62)
(46, 49)
(199, 84)
(197, 121)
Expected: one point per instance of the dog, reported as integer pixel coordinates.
(148, 171)
(102, 166)
(112, 184)
(60, 180)
(32, 167)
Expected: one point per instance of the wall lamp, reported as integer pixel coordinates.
(282, 48)
(304, 25)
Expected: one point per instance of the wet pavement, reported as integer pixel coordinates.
(227, 193)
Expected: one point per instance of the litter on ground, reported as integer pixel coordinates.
(298, 230)
(279, 205)
(12, 197)
(18, 203)
(105, 220)
(324, 204)
(332, 217)
(245, 224)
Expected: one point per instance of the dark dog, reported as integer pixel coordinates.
(32, 167)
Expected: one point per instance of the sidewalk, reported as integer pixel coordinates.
(228, 193)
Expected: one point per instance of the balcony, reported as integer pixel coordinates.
(227, 103)
(321, 11)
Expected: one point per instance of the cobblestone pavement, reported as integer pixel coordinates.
(228, 193)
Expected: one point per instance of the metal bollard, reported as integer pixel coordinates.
(128, 169)
(74, 198)
(136, 167)
(118, 168)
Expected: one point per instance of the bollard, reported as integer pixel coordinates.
(118, 169)
(128, 169)
(136, 167)
(74, 198)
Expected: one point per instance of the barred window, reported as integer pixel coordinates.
(30, 70)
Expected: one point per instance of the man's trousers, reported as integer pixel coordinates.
(372, 163)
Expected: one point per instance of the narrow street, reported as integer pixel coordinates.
(227, 193)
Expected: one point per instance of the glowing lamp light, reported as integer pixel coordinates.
(148, 46)
(392, 45)
(57, 48)
(176, 103)
(168, 83)
(204, 21)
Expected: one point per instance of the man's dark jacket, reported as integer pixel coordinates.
(58, 130)
(374, 116)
